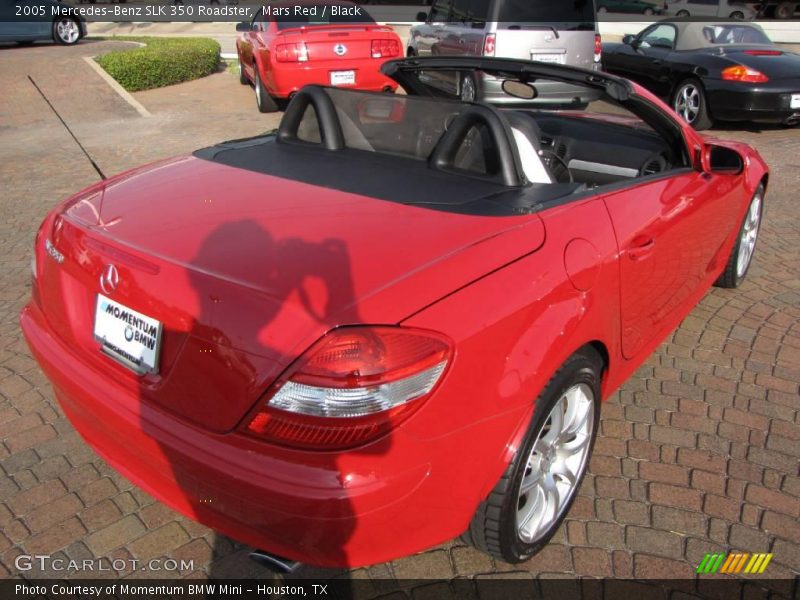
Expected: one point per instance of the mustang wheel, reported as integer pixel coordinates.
(66, 31)
(533, 496)
(265, 102)
(742, 253)
(468, 88)
(690, 104)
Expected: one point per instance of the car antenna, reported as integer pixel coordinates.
(94, 164)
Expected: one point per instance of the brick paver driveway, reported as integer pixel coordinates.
(697, 453)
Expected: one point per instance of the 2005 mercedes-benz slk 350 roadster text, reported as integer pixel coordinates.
(393, 321)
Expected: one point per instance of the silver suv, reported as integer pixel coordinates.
(552, 31)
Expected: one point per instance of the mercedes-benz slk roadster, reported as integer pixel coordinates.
(393, 321)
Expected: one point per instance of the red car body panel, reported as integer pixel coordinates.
(257, 51)
(197, 245)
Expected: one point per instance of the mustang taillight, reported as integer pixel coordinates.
(385, 48)
(295, 52)
(598, 47)
(352, 386)
(745, 74)
(489, 44)
(763, 52)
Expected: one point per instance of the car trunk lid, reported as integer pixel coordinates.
(245, 270)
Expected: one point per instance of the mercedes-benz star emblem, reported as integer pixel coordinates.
(340, 49)
(109, 279)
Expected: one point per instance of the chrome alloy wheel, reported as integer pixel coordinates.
(68, 31)
(747, 242)
(556, 463)
(687, 103)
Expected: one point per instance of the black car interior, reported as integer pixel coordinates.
(452, 155)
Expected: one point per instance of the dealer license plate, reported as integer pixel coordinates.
(547, 58)
(126, 335)
(795, 102)
(343, 77)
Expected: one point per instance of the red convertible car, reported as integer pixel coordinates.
(393, 321)
(290, 45)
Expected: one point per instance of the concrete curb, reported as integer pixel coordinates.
(117, 87)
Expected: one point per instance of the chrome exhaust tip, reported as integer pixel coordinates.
(274, 562)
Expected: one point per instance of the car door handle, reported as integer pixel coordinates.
(641, 247)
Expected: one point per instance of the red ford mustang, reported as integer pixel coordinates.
(393, 321)
(297, 44)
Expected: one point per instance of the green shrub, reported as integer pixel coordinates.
(161, 61)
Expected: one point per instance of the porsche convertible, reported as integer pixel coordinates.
(717, 70)
(392, 321)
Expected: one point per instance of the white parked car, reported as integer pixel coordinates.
(709, 8)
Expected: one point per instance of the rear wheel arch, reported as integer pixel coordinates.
(599, 349)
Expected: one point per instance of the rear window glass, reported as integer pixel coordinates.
(560, 14)
(734, 34)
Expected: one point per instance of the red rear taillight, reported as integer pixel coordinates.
(385, 48)
(488, 44)
(296, 52)
(598, 47)
(742, 73)
(763, 52)
(352, 386)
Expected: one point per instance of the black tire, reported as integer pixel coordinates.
(698, 115)
(494, 528)
(242, 76)
(410, 52)
(734, 274)
(785, 10)
(682, 13)
(737, 15)
(66, 31)
(265, 102)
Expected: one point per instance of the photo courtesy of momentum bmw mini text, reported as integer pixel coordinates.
(399, 299)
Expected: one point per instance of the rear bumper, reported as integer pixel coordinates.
(768, 104)
(394, 497)
(284, 79)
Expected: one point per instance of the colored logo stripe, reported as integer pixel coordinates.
(734, 563)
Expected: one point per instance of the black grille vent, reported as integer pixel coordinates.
(561, 150)
(651, 168)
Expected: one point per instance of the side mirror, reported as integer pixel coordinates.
(422, 17)
(519, 89)
(723, 161)
(244, 26)
(628, 39)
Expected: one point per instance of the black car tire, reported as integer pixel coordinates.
(265, 102)
(785, 10)
(693, 88)
(733, 275)
(242, 76)
(494, 528)
(682, 13)
(410, 52)
(66, 31)
(737, 15)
